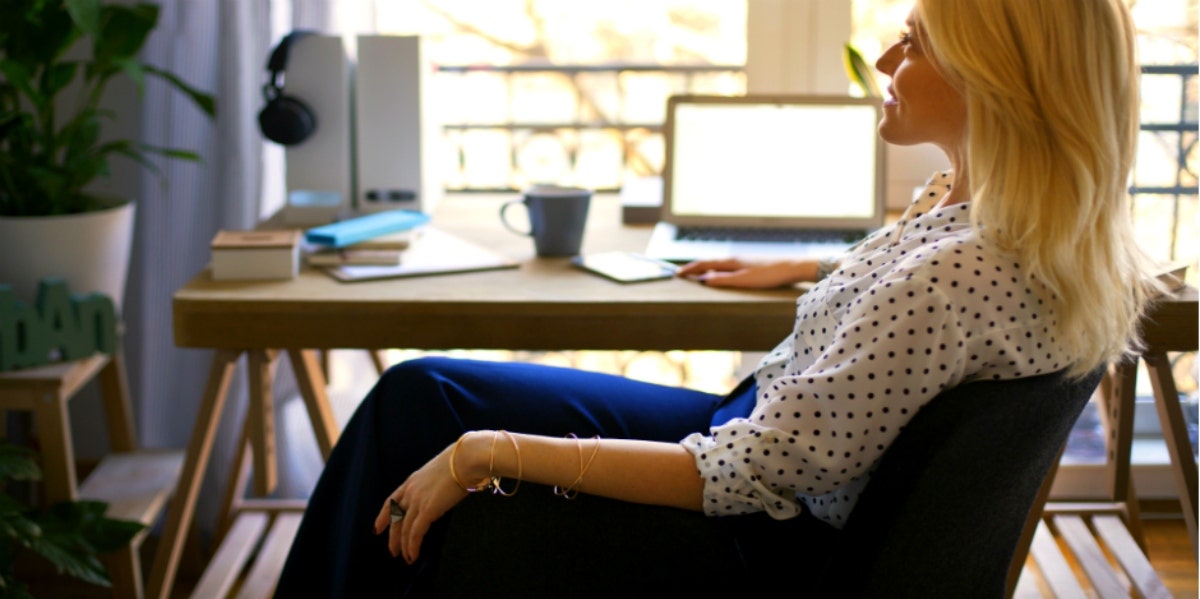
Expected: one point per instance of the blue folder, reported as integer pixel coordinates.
(362, 228)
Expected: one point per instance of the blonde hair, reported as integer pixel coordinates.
(1052, 117)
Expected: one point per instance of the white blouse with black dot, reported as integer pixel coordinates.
(917, 307)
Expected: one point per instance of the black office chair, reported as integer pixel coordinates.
(941, 517)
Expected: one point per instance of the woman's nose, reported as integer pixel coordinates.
(888, 60)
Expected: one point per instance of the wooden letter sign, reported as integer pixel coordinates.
(61, 327)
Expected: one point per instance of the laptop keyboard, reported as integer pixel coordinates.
(766, 235)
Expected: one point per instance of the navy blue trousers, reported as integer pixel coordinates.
(417, 409)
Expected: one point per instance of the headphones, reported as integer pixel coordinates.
(285, 119)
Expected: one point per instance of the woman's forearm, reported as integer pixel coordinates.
(646, 472)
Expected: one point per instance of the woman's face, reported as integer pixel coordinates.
(920, 106)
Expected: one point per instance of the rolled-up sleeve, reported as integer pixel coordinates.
(815, 430)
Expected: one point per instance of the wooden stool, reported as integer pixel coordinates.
(254, 534)
(134, 483)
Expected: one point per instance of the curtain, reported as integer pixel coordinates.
(219, 46)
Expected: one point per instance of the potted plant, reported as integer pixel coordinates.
(57, 58)
(69, 535)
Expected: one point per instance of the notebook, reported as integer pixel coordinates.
(768, 176)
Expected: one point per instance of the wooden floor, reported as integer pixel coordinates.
(1171, 553)
(1168, 545)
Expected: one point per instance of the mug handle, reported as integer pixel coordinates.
(504, 220)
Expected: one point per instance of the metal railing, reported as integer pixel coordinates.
(1182, 134)
(598, 108)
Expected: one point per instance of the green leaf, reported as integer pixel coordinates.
(8, 119)
(204, 101)
(46, 31)
(123, 31)
(86, 15)
(49, 184)
(59, 76)
(137, 156)
(10, 508)
(73, 558)
(11, 588)
(17, 463)
(110, 534)
(21, 79)
(172, 153)
(87, 521)
(859, 72)
(135, 70)
(50, 150)
(15, 523)
(81, 134)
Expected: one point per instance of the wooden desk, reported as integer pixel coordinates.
(1171, 327)
(545, 304)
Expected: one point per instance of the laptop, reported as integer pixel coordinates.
(768, 176)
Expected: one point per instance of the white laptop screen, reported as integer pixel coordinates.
(778, 161)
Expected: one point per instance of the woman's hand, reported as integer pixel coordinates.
(427, 495)
(648, 472)
(750, 274)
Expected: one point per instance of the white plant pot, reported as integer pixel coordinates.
(90, 251)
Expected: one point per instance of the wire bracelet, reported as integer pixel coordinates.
(492, 483)
(572, 490)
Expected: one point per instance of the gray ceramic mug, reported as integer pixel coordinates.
(557, 216)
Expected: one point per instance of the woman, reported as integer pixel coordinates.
(1018, 261)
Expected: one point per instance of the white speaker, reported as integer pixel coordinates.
(396, 131)
(319, 176)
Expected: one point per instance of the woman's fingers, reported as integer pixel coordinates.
(700, 267)
(396, 544)
(384, 519)
(424, 497)
(396, 528)
(740, 273)
(412, 534)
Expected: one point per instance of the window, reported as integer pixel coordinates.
(567, 92)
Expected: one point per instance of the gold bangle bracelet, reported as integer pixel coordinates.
(495, 484)
(572, 490)
(565, 492)
(454, 474)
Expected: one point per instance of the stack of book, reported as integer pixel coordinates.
(377, 239)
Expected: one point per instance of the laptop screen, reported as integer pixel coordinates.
(779, 161)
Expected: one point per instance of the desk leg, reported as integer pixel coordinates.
(235, 485)
(1170, 415)
(312, 387)
(1118, 395)
(261, 419)
(379, 359)
(183, 503)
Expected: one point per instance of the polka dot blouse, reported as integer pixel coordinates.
(915, 308)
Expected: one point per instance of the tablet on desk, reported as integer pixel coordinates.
(625, 267)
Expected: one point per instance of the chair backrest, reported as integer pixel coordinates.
(945, 509)
(941, 517)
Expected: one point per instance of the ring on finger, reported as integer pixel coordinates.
(395, 511)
